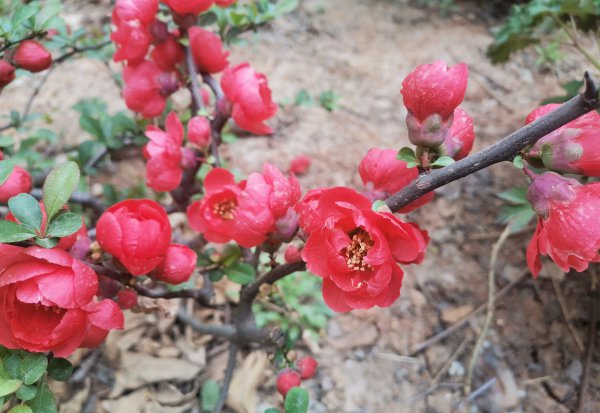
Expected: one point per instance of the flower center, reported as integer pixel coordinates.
(45, 308)
(357, 250)
(225, 209)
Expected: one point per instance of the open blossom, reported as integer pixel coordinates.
(572, 148)
(163, 169)
(32, 56)
(183, 7)
(147, 88)
(357, 251)
(137, 232)
(133, 20)
(246, 212)
(461, 136)
(383, 175)
(207, 49)
(177, 266)
(18, 182)
(431, 94)
(567, 229)
(250, 97)
(47, 302)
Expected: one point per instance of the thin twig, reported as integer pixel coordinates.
(490, 306)
(563, 308)
(475, 394)
(193, 85)
(589, 352)
(464, 321)
(231, 361)
(450, 360)
(277, 273)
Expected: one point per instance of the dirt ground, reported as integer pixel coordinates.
(361, 50)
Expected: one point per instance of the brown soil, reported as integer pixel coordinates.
(362, 50)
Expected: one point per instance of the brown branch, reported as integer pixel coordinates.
(193, 84)
(250, 292)
(504, 150)
(231, 361)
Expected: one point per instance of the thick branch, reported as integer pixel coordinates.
(193, 85)
(504, 150)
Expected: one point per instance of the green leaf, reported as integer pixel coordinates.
(13, 232)
(6, 168)
(272, 410)
(240, 273)
(9, 386)
(6, 141)
(329, 100)
(287, 6)
(64, 225)
(518, 162)
(60, 369)
(26, 392)
(231, 254)
(20, 408)
(443, 161)
(12, 365)
(27, 210)
(43, 402)
(47, 243)
(296, 401)
(407, 154)
(59, 186)
(215, 275)
(209, 395)
(303, 98)
(33, 367)
(515, 196)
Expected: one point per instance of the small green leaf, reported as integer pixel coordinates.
(27, 210)
(215, 275)
(231, 254)
(60, 369)
(26, 392)
(64, 225)
(518, 162)
(240, 273)
(33, 367)
(209, 395)
(47, 243)
(286, 6)
(9, 386)
(43, 402)
(272, 410)
(407, 154)
(443, 161)
(59, 186)
(6, 168)
(515, 195)
(13, 232)
(296, 401)
(20, 408)
(12, 365)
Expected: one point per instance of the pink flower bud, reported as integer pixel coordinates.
(7, 73)
(1, 155)
(178, 265)
(127, 299)
(292, 254)
(286, 380)
(459, 141)
(183, 7)
(199, 131)
(18, 182)
(208, 51)
(286, 226)
(307, 366)
(300, 164)
(32, 56)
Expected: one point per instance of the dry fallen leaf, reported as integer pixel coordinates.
(246, 379)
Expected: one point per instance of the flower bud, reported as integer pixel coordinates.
(127, 299)
(7, 73)
(307, 366)
(286, 226)
(177, 266)
(207, 50)
(459, 141)
(199, 131)
(188, 158)
(292, 254)
(32, 56)
(286, 380)
(300, 164)
(18, 182)
(548, 188)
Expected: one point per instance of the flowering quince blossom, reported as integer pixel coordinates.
(18, 182)
(461, 136)
(245, 212)
(7, 73)
(177, 266)
(137, 232)
(147, 88)
(47, 302)
(250, 97)
(300, 164)
(566, 230)
(32, 56)
(199, 131)
(357, 250)
(133, 19)
(168, 54)
(207, 50)
(163, 169)
(183, 7)
(383, 175)
(572, 148)
(431, 94)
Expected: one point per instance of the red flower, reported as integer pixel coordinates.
(47, 302)
(566, 230)
(383, 175)
(431, 93)
(143, 11)
(199, 132)
(307, 366)
(137, 232)
(32, 56)
(356, 251)
(250, 96)
(177, 266)
(224, 3)
(459, 141)
(292, 254)
(300, 164)
(127, 299)
(18, 182)
(572, 148)
(147, 88)
(207, 50)
(168, 54)
(163, 169)
(286, 380)
(183, 7)
(7, 74)
(133, 20)
(309, 218)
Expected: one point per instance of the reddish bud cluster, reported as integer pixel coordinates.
(287, 379)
